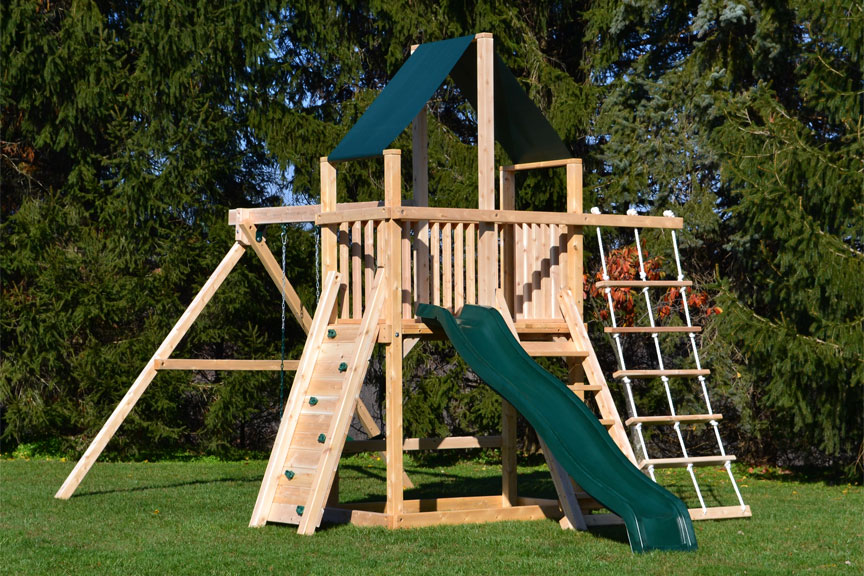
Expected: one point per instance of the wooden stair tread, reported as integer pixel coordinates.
(658, 373)
(585, 387)
(673, 419)
(568, 349)
(684, 462)
(643, 284)
(650, 330)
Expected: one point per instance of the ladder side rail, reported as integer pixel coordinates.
(303, 377)
(149, 372)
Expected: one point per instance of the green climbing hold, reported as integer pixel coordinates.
(321, 438)
(259, 234)
(289, 474)
(331, 333)
(300, 510)
(343, 367)
(313, 401)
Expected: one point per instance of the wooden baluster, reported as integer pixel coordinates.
(406, 270)
(526, 256)
(436, 264)
(554, 275)
(447, 258)
(421, 249)
(459, 266)
(344, 244)
(356, 271)
(368, 258)
(518, 273)
(471, 263)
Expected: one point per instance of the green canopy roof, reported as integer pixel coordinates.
(520, 127)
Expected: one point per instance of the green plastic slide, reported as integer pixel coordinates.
(655, 518)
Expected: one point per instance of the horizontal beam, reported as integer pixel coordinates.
(559, 349)
(526, 217)
(650, 329)
(290, 214)
(353, 215)
(478, 516)
(543, 164)
(659, 373)
(684, 462)
(207, 364)
(643, 284)
(659, 420)
(414, 444)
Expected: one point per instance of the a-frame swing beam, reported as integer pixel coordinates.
(246, 232)
(149, 372)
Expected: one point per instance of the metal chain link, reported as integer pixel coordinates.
(284, 238)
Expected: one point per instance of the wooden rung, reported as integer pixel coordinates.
(658, 373)
(207, 364)
(567, 349)
(585, 387)
(643, 284)
(684, 462)
(450, 443)
(650, 330)
(673, 419)
(607, 422)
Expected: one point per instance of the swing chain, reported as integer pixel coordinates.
(284, 237)
(317, 263)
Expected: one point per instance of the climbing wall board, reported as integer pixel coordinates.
(301, 472)
(303, 380)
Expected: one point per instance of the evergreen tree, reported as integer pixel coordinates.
(745, 118)
(126, 137)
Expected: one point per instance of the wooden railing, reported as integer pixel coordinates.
(438, 252)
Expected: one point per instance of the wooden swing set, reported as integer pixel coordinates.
(380, 259)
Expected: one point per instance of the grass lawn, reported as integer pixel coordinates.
(191, 518)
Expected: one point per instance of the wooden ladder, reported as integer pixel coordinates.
(318, 414)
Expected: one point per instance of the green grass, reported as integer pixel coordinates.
(191, 517)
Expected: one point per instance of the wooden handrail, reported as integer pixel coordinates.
(543, 164)
(526, 217)
(377, 211)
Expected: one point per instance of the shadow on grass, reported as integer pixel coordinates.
(165, 485)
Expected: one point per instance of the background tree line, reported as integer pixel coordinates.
(129, 128)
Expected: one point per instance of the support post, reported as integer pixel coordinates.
(487, 269)
(575, 372)
(149, 372)
(508, 413)
(420, 176)
(393, 351)
(329, 245)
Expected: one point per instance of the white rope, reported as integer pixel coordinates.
(620, 351)
(702, 381)
(655, 337)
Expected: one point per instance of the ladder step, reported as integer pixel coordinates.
(650, 330)
(287, 494)
(658, 373)
(684, 462)
(585, 387)
(643, 284)
(567, 349)
(607, 422)
(673, 419)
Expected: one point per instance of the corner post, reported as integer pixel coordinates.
(575, 373)
(508, 413)
(420, 180)
(329, 246)
(487, 269)
(393, 324)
